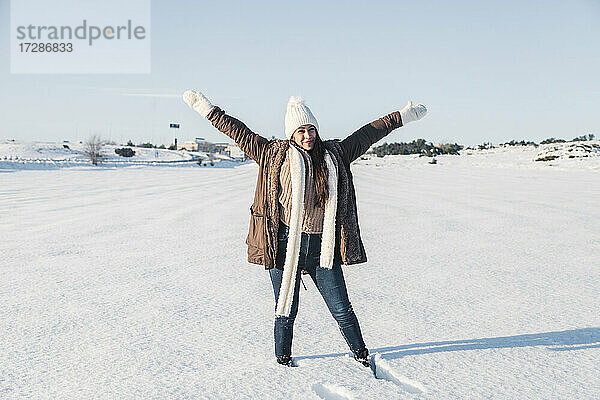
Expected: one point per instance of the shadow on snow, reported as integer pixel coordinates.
(575, 339)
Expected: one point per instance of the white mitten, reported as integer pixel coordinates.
(198, 102)
(412, 112)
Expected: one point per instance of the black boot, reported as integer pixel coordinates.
(285, 360)
(362, 356)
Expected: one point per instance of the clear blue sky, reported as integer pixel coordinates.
(487, 71)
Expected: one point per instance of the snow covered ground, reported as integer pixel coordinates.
(482, 282)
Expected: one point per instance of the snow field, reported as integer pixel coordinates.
(482, 282)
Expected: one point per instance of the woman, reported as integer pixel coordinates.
(304, 216)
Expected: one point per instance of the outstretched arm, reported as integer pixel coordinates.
(359, 142)
(251, 143)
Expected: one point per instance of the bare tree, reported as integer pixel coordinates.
(92, 148)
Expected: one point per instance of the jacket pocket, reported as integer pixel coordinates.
(256, 232)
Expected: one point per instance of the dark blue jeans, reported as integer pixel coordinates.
(329, 282)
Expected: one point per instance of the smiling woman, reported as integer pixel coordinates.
(304, 216)
(305, 136)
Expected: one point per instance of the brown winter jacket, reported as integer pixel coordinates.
(270, 155)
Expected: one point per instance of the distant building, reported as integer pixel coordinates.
(200, 144)
(230, 149)
(190, 146)
(221, 147)
(235, 152)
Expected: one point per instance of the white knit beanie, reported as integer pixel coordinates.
(298, 114)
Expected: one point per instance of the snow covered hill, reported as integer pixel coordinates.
(563, 156)
(51, 155)
(482, 283)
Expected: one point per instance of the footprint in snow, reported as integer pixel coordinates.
(383, 370)
(329, 391)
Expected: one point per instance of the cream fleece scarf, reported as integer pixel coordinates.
(290, 267)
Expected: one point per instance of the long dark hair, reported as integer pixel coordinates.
(317, 154)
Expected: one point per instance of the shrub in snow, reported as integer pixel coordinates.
(552, 140)
(547, 158)
(448, 148)
(521, 143)
(125, 152)
(419, 146)
(485, 146)
(584, 138)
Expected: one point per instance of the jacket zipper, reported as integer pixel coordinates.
(270, 239)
